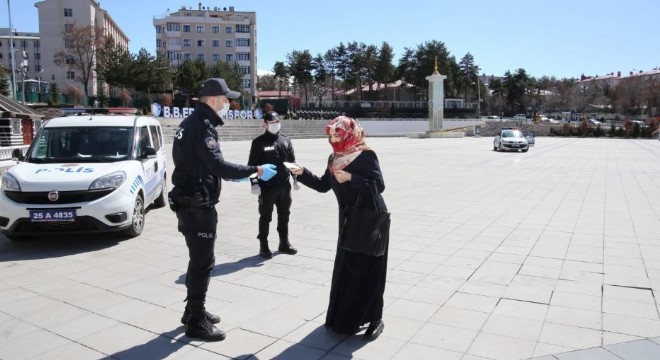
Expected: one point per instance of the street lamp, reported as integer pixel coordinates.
(478, 99)
(39, 85)
(24, 67)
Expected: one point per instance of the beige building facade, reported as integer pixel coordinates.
(54, 17)
(212, 34)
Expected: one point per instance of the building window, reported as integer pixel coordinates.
(187, 42)
(229, 57)
(216, 57)
(242, 42)
(215, 29)
(68, 44)
(37, 68)
(68, 12)
(70, 75)
(187, 56)
(216, 43)
(246, 83)
(200, 43)
(228, 43)
(242, 28)
(200, 56)
(173, 27)
(36, 44)
(70, 60)
(37, 56)
(186, 28)
(200, 28)
(0, 43)
(1, 55)
(159, 43)
(228, 29)
(244, 70)
(159, 29)
(242, 56)
(24, 44)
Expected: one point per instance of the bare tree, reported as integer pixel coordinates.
(79, 54)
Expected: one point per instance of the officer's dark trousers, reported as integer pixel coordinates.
(198, 226)
(278, 195)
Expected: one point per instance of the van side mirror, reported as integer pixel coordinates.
(17, 155)
(148, 153)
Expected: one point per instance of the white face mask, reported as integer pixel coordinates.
(274, 128)
(223, 112)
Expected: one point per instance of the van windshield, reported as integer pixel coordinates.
(82, 144)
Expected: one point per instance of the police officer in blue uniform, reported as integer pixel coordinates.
(198, 169)
(272, 147)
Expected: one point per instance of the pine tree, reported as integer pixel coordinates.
(4, 82)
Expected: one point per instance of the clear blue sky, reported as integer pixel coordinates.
(561, 38)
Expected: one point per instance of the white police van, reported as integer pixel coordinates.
(85, 174)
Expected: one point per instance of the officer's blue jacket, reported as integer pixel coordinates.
(198, 162)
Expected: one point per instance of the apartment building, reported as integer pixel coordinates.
(54, 17)
(212, 34)
(27, 50)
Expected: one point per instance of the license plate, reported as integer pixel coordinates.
(54, 215)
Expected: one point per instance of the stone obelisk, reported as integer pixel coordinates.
(436, 99)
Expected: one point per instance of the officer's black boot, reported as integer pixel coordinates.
(201, 328)
(286, 248)
(264, 251)
(214, 319)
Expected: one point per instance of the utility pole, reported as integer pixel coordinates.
(13, 56)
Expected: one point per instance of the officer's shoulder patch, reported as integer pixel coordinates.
(210, 142)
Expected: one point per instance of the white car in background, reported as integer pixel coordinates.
(85, 174)
(510, 139)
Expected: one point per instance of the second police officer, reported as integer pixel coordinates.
(273, 148)
(199, 167)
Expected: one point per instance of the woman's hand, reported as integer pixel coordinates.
(297, 171)
(342, 176)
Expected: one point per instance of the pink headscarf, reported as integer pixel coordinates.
(351, 141)
(350, 134)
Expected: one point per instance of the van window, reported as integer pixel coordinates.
(155, 137)
(143, 139)
(82, 144)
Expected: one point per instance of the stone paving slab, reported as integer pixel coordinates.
(550, 254)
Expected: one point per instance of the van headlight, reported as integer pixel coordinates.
(10, 183)
(111, 181)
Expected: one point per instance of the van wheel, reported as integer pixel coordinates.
(161, 200)
(137, 223)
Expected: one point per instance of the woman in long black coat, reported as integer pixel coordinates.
(358, 281)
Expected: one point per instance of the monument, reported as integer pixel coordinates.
(436, 99)
(454, 128)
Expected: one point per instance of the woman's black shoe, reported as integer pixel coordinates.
(374, 330)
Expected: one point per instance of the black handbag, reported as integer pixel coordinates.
(365, 231)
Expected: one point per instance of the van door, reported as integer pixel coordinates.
(159, 144)
(149, 166)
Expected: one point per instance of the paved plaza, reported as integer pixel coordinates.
(551, 254)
